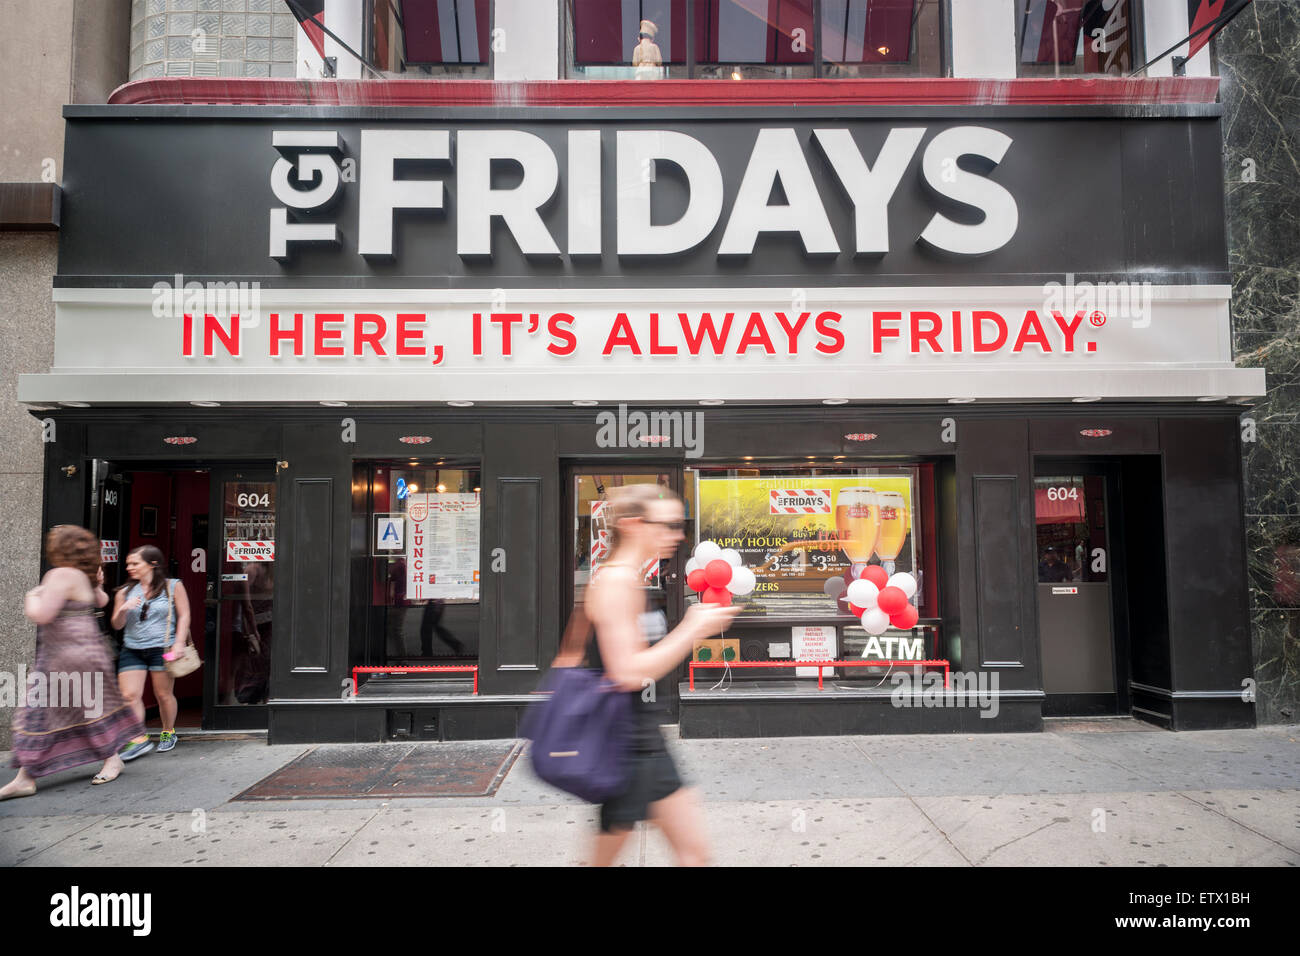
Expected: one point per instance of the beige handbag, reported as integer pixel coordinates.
(189, 661)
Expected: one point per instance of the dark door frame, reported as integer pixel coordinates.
(1117, 571)
(215, 717)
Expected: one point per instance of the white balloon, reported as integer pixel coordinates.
(834, 587)
(705, 552)
(742, 581)
(875, 621)
(731, 556)
(904, 582)
(692, 565)
(863, 593)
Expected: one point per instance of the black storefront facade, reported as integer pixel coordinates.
(1013, 317)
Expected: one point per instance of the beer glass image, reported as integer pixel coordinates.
(895, 522)
(857, 525)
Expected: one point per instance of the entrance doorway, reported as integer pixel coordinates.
(216, 529)
(587, 495)
(1080, 589)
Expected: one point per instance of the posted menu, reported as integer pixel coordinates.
(442, 547)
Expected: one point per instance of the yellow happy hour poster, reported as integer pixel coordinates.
(796, 532)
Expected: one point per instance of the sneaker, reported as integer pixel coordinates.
(166, 741)
(137, 749)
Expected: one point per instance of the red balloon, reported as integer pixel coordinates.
(892, 600)
(859, 611)
(876, 575)
(716, 595)
(695, 580)
(905, 619)
(717, 572)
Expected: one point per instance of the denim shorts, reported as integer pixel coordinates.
(141, 658)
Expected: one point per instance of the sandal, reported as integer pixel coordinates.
(102, 778)
(15, 794)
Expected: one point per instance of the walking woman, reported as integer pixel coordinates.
(153, 610)
(49, 737)
(647, 523)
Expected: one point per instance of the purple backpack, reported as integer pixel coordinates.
(580, 732)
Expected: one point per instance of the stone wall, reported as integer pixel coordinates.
(1259, 66)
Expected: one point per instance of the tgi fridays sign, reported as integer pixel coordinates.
(794, 501)
(585, 257)
(250, 550)
(308, 179)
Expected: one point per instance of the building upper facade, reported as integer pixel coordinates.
(513, 40)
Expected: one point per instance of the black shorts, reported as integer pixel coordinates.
(653, 776)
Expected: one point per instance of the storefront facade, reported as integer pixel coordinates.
(388, 363)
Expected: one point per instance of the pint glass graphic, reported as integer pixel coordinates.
(857, 524)
(895, 522)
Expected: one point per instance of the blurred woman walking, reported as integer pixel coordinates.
(48, 736)
(647, 522)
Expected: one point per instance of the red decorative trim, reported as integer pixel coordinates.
(622, 93)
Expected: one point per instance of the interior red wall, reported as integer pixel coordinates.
(178, 496)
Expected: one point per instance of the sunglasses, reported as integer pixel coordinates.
(670, 525)
(144, 610)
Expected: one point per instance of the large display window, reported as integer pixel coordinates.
(422, 531)
(805, 533)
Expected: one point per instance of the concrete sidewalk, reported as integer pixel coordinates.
(1074, 795)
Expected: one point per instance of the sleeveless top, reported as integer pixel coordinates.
(647, 738)
(156, 630)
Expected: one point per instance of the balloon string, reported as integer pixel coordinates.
(726, 671)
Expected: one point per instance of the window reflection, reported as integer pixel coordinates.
(752, 39)
(1084, 36)
(445, 36)
(1070, 516)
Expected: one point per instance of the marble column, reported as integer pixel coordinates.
(1258, 57)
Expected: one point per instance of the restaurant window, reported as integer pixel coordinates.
(420, 551)
(751, 39)
(803, 531)
(446, 37)
(1069, 37)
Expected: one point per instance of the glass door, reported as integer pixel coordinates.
(240, 604)
(588, 489)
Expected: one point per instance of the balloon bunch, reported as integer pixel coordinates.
(716, 573)
(881, 601)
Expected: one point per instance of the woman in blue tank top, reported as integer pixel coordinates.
(154, 613)
(647, 522)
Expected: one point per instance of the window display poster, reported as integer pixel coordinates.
(442, 546)
(797, 532)
(813, 644)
